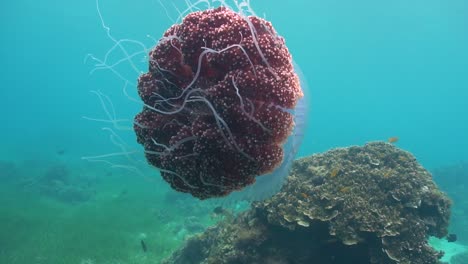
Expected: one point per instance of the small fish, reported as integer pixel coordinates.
(452, 237)
(219, 210)
(387, 174)
(305, 195)
(60, 152)
(334, 172)
(121, 195)
(393, 140)
(143, 245)
(345, 189)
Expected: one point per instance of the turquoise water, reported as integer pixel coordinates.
(374, 70)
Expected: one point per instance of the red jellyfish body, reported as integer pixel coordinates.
(219, 101)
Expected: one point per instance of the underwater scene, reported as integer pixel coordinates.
(234, 131)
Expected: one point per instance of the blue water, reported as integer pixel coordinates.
(375, 69)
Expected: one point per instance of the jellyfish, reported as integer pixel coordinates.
(223, 104)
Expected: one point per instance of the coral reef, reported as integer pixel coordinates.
(369, 204)
(57, 182)
(454, 180)
(218, 101)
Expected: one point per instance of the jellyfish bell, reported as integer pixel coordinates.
(220, 101)
(223, 107)
(269, 184)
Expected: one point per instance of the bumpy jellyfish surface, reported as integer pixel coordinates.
(219, 101)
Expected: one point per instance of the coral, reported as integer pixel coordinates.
(379, 206)
(452, 176)
(57, 174)
(57, 182)
(54, 181)
(453, 179)
(193, 225)
(218, 98)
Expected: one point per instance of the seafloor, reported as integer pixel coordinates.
(369, 204)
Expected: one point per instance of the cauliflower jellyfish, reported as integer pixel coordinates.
(222, 103)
